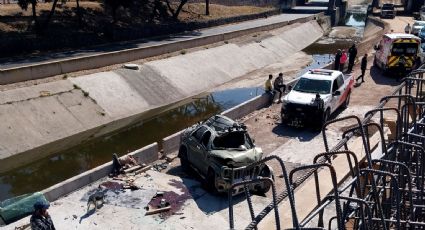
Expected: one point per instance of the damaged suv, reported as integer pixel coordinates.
(219, 150)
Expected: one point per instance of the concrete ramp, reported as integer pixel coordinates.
(46, 118)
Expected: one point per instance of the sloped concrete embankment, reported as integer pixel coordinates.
(52, 68)
(45, 118)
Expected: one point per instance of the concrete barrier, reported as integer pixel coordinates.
(147, 154)
(171, 143)
(43, 70)
(247, 107)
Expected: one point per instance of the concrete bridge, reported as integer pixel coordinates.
(334, 8)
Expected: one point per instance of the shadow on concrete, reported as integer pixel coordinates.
(380, 78)
(87, 215)
(303, 134)
(192, 187)
(48, 56)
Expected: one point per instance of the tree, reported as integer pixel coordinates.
(24, 5)
(114, 5)
(49, 16)
(79, 13)
(207, 7)
(178, 10)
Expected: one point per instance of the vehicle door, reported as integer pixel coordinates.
(336, 92)
(194, 145)
(201, 157)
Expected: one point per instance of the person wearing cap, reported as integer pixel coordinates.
(40, 219)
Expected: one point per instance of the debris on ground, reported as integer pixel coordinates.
(160, 166)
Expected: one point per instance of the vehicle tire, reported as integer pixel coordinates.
(266, 172)
(325, 118)
(347, 101)
(210, 181)
(184, 161)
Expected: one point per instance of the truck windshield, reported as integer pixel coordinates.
(408, 49)
(313, 86)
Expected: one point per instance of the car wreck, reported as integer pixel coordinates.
(220, 150)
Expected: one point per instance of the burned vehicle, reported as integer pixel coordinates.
(219, 150)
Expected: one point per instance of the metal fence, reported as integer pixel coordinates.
(387, 192)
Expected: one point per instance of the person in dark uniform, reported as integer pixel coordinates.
(363, 67)
(40, 219)
(337, 59)
(352, 57)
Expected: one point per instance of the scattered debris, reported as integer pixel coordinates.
(160, 166)
(44, 93)
(131, 66)
(111, 185)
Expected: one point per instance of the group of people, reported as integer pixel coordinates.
(276, 86)
(341, 57)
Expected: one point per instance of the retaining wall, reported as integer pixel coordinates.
(147, 154)
(43, 70)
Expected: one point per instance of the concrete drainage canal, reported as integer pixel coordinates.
(46, 172)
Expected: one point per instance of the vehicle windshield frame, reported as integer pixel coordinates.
(325, 90)
(249, 144)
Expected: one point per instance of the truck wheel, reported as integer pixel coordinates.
(184, 161)
(325, 118)
(347, 101)
(210, 180)
(265, 172)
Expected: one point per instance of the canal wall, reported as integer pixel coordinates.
(42, 119)
(147, 154)
(52, 68)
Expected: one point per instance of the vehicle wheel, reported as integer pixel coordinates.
(325, 118)
(266, 172)
(210, 180)
(347, 101)
(184, 161)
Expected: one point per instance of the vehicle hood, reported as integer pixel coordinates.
(303, 98)
(239, 157)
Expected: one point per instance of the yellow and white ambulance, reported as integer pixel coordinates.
(397, 49)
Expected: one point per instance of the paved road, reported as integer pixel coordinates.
(48, 57)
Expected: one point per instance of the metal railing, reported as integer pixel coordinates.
(387, 193)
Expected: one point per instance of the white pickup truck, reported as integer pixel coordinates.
(315, 96)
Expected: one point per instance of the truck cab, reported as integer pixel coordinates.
(315, 96)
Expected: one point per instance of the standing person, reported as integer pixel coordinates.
(40, 219)
(407, 29)
(342, 60)
(352, 57)
(363, 68)
(279, 86)
(268, 87)
(337, 59)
